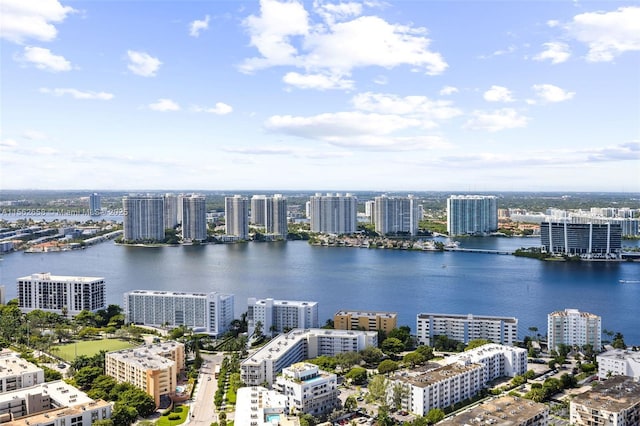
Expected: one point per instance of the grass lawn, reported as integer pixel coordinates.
(89, 348)
(181, 410)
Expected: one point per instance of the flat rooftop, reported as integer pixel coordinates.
(45, 276)
(61, 393)
(614, 395)
(368, 313)
(431, 377)
(503, 411)
(51, 415)
(11, 364)
(426, 315)
(148, 356)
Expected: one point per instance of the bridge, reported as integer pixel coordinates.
(471, 250)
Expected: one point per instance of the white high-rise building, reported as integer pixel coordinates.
(396, 215)
(277, 316)
(572, 327)
(258, 210)
(308, 389)
(276, 216)
(143, 218)
(60, 294)
(94, 204)
(237, 216)
(210, 313)
(472, 214)
(171, 219)
(334, 214)
(464, 328)
(194, 218)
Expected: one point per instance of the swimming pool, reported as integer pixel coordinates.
(272, 418)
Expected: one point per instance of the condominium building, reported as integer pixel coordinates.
(365, 320)
(94, 204)
(16, 373)
(333, 213)
(194, 218)
(143, 218)
(210, 313)
(53, 403)
(497, 360)
(258, 406)
(258, 210)
(277, 316)
(308, 389)
(276, 216)
(616, 401)
(584, 239)
(298, 345)
(619, 362)
(472, 214)
(236, 212)
(396, 215)
(62, 295)
(504, 410)
(572, 327)
(152, 368)
(171, 218)
(464, 328)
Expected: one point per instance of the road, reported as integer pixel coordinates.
(203, 411)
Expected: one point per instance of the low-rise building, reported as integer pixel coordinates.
(619, 362)
(52, 404)
(308, 389)
(298, 345)
(258, 406)
(615, 401)
(152, 368)
(498, 360)
(463, 328)
(365, 320)
(16, 373)
(502, 411)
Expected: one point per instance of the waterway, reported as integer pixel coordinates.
(407, 282)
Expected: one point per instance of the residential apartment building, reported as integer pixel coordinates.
(278, 316)
(61, 294)
(463, 328)
(143, 218)
(308, 389)
(53, 403)
(298, 345)
(472, 214)
(333, 213)
(258, 210)
(365, 320)
(152, 368)
(258, 406)
(94, 204)
(504, 410)
(236, 212)
(16, 373)
(619, 362)
(497, 360)
(194, 218)
(170, 208)
(572, 327)
(589, 240)
(210, 313)
(396, 215)
(276, 223)
(616, 401)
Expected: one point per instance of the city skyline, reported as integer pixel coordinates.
(304, 95)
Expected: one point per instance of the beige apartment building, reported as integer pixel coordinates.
(365, 320)
(615, 401)
(505, 410)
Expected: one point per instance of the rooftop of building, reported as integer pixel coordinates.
(621, 354)
(50, 416)
(425, 315)
(147, 356)
(613, 395)
(170, 293)
(258, 406)
(368, 313)
(572, 312)
(60, 392)
(11, 364)
(503, 411)
(281, 302)
(428, 378)
(46, 276)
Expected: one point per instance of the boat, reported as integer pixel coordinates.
(629, 281)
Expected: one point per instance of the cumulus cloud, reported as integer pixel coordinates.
(198, 26)
(448, 90)
(8, 143)
(43, 59)
(621, 152)
(317, 81)
(22, 20)
(548, 93)
(164, 105)
(498, 94)
(220, 109)
(493, 121)
(78, 94)
(556, 52)
(285, 35)
(143, 64)
(607, 34)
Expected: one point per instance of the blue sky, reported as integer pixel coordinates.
(406, 95)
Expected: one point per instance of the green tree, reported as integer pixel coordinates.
(387, 366)
(86, 375)
(434, 415)
(142, 402)
(350, 404)
(392, 345)
(378, 388)
(123, 415)
(103, 422)
(371, 355)
(426, 351)
(346, 360)
(476, 343)
(414, 358)
(618, 341)
(51, 374)
(398, 393)
(357, 375)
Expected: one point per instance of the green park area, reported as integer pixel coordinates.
(88, 348)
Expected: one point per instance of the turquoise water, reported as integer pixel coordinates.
(406, 282)
(272, 417)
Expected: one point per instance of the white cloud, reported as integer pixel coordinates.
(548, 93)
(552, 23)
(164, 104)
(46, 150)
(285, 35)
(220, 109)
(317, 81)
(45, 60)
(607, 34)
(9, 143)
(34, 135)
(448, 90)
(382, 80)
(556, 52)
(197, 26)
(498, 94)
(21, 20)
(493, 121)
(142, 63)
(77, 94)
